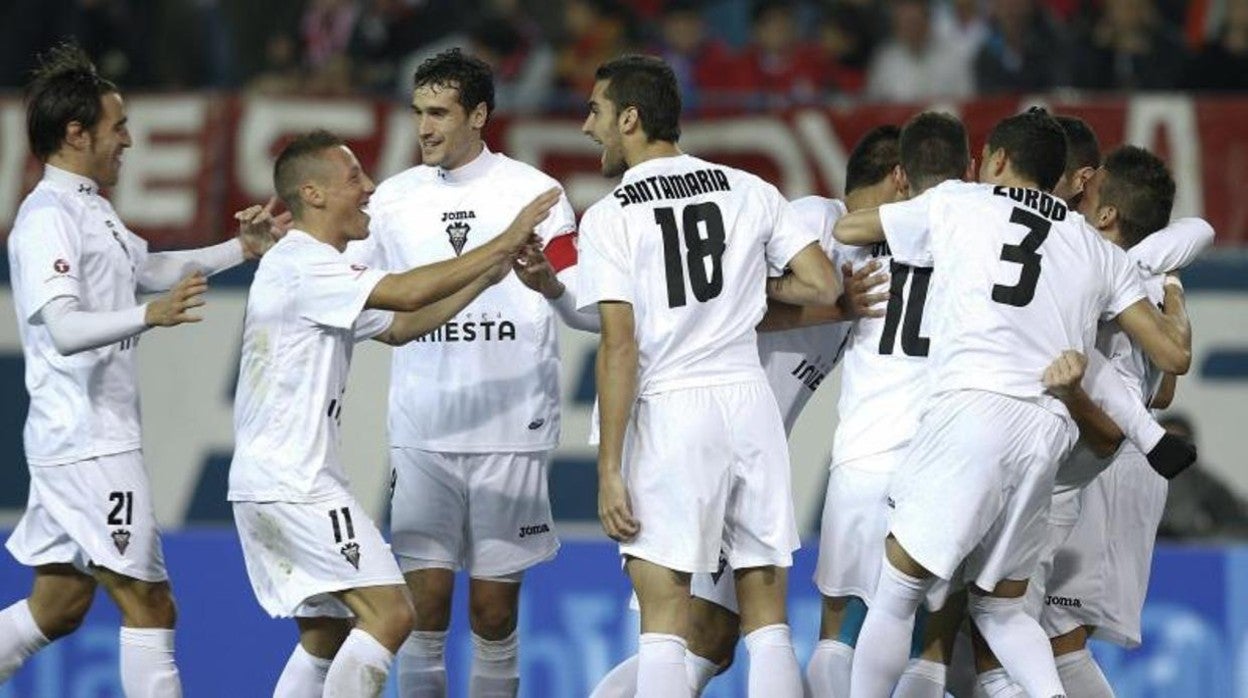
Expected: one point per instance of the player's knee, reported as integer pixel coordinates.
(714, 636)
(400, 622)
(492, 619)
(150, 605)
(431, 613)
(64, 617)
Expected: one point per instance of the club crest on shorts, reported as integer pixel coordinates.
(458, 234)
(351, 552)
(723, 565)
(121, 539)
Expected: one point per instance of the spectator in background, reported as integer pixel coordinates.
(385, 31)
(964, 23)
(1223, 63)
(326, 29)
(705, 68)
(523, 63)
(846, 39)
(281, 74)
(913, 64)
(597, 31)
(1023, 51)
(1130, 47)
(1200, 504)
(779, 66)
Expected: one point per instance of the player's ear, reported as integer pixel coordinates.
(1106, 217)
(629, 120)
(901, 182)
(478, 116)
(311, 194)
(1082, 175)
(77, 136)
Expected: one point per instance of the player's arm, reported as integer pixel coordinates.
(1064, 380)
(552, 273)
(1173, 247)
(1166, 337)
(74, 330)
(1165, 392)
(809, 280)
(862, 227)
(858, 300)
(616, 371)
(411, 290)
(409, 326)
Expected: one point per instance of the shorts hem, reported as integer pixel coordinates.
(330, 588)
(668, 562)
(526, 564)
(845, 591)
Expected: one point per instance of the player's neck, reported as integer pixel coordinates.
(651, 151)
(70, 164)
(469, 167)
(321, 231)
(1010, 179)
(866, 197)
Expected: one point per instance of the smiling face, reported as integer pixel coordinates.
(107, 141)
(345, 189)
(450, 136)
(602, 126)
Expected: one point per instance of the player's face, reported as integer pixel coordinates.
(601, 125)
(1090, 202)
(347, 189)
(108, 139)
(450, 136)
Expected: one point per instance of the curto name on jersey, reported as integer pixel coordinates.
(675, 186)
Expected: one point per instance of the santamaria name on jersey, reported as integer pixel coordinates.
(677, 186)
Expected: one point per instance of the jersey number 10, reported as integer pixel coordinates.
(912, 343)
(705, 284)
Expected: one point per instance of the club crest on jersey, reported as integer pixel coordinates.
(351, 553)
(121, 539)
(457, 231)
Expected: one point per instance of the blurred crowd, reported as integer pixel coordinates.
(729, 54)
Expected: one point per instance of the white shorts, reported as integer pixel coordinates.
(1071, 573)
(487, 513)
(298, 554)
(976, 485)
(855, 523)
(718, 587)
(708, 468)
(1114, 538)
(93, 512)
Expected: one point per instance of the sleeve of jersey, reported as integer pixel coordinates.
(790, 234)
(371, 323)
(603, 268)
(1172, 247)
(47, 252)
(332, 293)
(560, 222)
(907, 229)
(370, 251)
(1124, 406)
(1124, 282)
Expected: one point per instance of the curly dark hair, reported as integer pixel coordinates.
(63, 89)
(468, 74)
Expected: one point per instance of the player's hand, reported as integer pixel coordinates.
(614, 511)
(862, 296)
(1063, 377)
(534, 271)
(498, 272)
(536, 211)
(259, 229)
(172, 308)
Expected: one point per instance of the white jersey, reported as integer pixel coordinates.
(488, 380)
(67, 241)
(689, 244)
(305, 312)
(1018, 278)
(796, 361)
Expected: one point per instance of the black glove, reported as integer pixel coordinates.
(1171, 456)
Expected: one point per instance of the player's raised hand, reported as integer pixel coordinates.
(172, 308)
(536, 211)
(259, 228)
(534, 271)
(863, 296)
(614, 511)
(1064, 375)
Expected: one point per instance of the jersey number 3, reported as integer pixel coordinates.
(1026, 254)
(705, 282)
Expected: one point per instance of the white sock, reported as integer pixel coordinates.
(147, 666)
(997, 684)
(828, 671)
(422, 666)
(661, 666)
(701, 671)
(620, 682)
(773, 666)
(884, 643)
(1082, 676)
(20, 638)
(922, 678)
(303, 677)
(495, 667)
(359, 669)
(1019, 643)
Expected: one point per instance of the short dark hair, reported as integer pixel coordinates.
(934, 148)
(1082, 147)
(648, 84)
(1035, 145)
(65, 88)
(468, 74)
(874, 156)
(1140, 186)
(294, 163)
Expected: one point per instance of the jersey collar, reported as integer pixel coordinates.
(470, 170)
(68, 180)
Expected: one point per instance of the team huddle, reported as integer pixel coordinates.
(1002, 332)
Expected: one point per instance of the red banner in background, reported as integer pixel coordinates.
(197, 157)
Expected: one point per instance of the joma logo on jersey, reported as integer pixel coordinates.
(1063, 601)
(457, 215)
(534, 530)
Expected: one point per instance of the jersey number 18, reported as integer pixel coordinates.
(706, 284)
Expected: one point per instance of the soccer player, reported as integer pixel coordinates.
(75, 270)
(312, 553)
(471, 426)
(676, 259)
(1083, 157)
(799, 346)
(977, 478)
